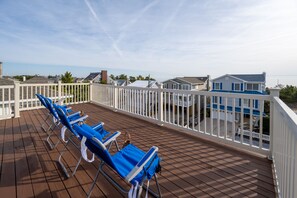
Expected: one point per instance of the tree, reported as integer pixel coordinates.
(140, 77)
(132, 79)
(112, 76)
(149, 78)
(67, 77)
(288, 94)
(123, 77)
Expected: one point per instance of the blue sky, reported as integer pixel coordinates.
(163, 38)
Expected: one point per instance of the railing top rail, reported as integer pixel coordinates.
(287, 113)
(39, 84)
(6, 86)
(75, 83)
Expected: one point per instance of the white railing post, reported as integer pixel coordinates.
(115, 97)
(274, 92)
(16, 99)
(91, 91)
(59, 90)
(160, 104)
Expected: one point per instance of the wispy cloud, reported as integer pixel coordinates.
(114, 45)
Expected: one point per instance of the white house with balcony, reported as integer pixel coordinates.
(253, 84)
(186, 83)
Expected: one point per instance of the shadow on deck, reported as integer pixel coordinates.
(190, 168)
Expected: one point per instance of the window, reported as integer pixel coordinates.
(246, 102)
(252, 87)
(216, 86)
(237, 86)
(215, 99)
(174, 86)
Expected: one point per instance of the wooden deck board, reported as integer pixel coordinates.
(191, 167)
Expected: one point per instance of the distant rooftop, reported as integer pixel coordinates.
(251, 77)
(38, 80)
(144, 84)
(91, 76)
(192, 80)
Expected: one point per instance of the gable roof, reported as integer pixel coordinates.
(190, 80)
(251, 77)
(4, 81)
(144, 83)
(38, 80)
(246, 77)
(92, 75)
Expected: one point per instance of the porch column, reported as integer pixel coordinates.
(274, 92)
(16, 99)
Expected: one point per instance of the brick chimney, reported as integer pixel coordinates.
(1, 75)
(104, 76)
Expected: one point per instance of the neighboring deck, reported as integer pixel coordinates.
(190, 168)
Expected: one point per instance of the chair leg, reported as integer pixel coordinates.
(60, 160)
(46, 123)
(48, 139)
(94, 182)
(62, 153)
(154, 194)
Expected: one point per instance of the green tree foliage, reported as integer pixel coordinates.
(67, 77)
(132, 79)
(112, 76)
(20, 78)
(289, 94)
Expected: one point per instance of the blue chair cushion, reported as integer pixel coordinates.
(127, 158)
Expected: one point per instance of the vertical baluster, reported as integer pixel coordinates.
(188, 111)
(205, 105)
(173, 107)
(199, 113)
(9, 102)
(233, 119)
(169, 108)
(219, 117)
(211, 115)
(226, 118)
(193, 111)
(241, 121)
(178, 110)
(251, 121)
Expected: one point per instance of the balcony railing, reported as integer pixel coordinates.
(199, 112)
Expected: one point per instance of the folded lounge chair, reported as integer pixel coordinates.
(131, 163)
(68, 124)
(53, 124)
(75, 117)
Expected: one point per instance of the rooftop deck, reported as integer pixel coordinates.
(191, 167)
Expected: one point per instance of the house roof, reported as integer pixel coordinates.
(246, 77)
(251, 77)
(191, 80)
(144, 84)
(92, 75)
(120, 82)
(38, 80)
(4, 81)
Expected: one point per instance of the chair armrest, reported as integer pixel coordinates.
(74, 114)
(139, 166)
(98, 125)
(60, 102)
(81, 119)
(111, 138)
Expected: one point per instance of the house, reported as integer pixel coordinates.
(38, 80)
(121, 82)
(242, 84)
(187, 83)
(99, 77)
(144, 84)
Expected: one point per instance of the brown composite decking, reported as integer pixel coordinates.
(191, 167)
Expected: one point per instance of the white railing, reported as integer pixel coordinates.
(196, 112)
(6, 101)
(284, 149)
(19, 97)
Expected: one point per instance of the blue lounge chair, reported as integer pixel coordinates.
(131, 163)
(68, 124)
(54, 122)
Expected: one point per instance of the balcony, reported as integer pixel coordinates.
(205, 159)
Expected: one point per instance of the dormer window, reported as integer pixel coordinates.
(237, 86)
(217, 86)
(252, 87)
